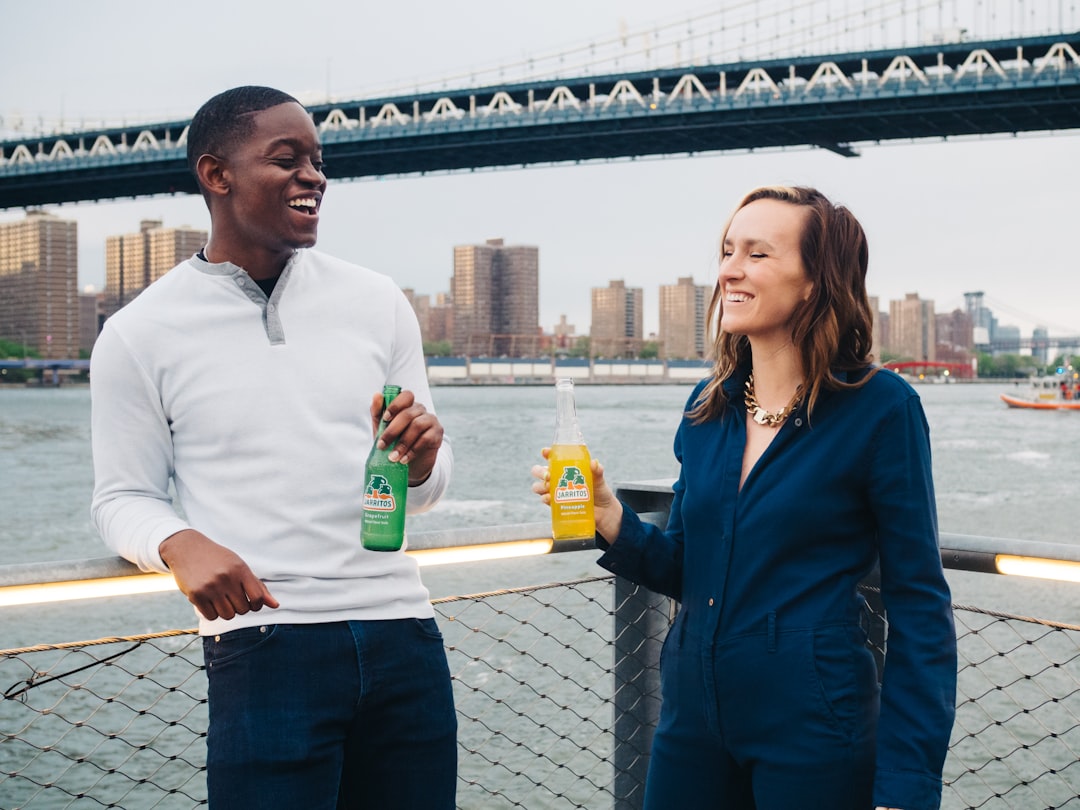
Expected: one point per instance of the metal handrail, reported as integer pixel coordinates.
(960, 552)
(1033, 685)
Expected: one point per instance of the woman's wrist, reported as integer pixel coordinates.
(609, 521)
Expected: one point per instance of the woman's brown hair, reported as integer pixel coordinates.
(832, 329)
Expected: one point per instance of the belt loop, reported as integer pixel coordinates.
(772, 631)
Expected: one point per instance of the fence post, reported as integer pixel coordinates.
(642, 619)
(878, 627)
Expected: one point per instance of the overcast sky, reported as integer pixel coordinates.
(998, 215)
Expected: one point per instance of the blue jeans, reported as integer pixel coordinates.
(340, 716)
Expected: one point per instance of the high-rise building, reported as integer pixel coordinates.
(982, 320)
(617, 320)
(563, 334)
(39, 276)
(912, 328)
(683, 307)
(440, 319)
(90, 319)
(420, 305)
(496, 298)
(955, 336)
(1040, 344)
(134, 261)
(879, 330)
(434, 316)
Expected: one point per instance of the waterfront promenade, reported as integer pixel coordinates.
(556, 685)
(535, 642)
(544, 370)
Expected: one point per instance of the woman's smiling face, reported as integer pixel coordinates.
(762, 278)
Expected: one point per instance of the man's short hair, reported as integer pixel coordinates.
(226, 119)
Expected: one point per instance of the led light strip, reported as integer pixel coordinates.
(47, 592)
(85, 589)
(1014, 565)
(492, 551)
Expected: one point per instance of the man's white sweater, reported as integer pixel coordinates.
(259, 411)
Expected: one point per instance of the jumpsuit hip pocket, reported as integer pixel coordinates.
(846, 679)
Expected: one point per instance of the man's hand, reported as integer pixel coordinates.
(417, 431)
(214, 579)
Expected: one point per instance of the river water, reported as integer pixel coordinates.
(999, 472)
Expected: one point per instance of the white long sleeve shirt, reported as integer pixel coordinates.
(258, 410)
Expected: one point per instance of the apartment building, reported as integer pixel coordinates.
(683, 307)
(39, 275)
(496, 300)
(617, 320)
(134, 261)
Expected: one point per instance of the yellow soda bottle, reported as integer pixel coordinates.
(571, 474)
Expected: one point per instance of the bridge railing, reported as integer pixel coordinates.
(913, 70)
(556, 685)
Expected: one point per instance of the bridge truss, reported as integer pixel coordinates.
(834, 102)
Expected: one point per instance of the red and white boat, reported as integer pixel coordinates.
(1045, 395)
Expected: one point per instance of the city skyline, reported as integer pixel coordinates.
(943, 217)
(491, 308)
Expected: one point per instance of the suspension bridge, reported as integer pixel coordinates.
(842, 101)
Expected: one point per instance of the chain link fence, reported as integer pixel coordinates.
(120, 722)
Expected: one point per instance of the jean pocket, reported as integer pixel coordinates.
(225, 647)
(427, 628)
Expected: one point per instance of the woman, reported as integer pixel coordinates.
(802, 468)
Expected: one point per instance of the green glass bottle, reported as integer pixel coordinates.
(386, 484)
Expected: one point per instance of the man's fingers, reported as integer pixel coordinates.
(230, 604)
(259, 596)
(421, 434)
(206, 609)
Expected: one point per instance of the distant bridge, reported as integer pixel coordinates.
(1016, 345)
(36, 364)
(47, 370)
(834, 102)
(918, 367)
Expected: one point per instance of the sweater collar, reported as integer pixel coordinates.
(230, 269)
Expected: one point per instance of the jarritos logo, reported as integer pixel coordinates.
(379, 495)
(572, 487)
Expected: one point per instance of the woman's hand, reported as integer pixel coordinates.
(606, 507)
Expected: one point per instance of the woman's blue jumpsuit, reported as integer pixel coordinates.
(770, 696)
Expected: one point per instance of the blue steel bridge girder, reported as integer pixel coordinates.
(831, 101)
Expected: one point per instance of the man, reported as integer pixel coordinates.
(251, 376)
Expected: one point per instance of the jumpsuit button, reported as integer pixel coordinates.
(710, 602)
(798, 423)
(271, 308)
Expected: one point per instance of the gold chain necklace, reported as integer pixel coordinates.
(762, 416)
